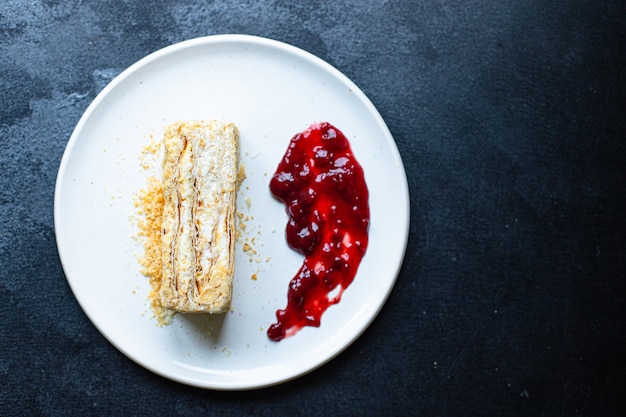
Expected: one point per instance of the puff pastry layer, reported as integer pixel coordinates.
(200, 167)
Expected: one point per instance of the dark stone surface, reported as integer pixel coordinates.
(510, 120)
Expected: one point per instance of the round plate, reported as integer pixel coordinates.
(271, 91)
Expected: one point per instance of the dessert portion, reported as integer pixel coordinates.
(200, 173)
(324, 191)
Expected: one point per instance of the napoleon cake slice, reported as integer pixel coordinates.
(200, 188)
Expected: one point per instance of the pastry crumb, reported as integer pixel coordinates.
(241, 174)
(149, 203)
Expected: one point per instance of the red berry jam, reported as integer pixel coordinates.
(325, 195)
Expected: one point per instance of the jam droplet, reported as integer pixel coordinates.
(325, 195)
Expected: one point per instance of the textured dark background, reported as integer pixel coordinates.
(510, 119)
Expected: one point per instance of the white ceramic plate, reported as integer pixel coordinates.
(271, 91)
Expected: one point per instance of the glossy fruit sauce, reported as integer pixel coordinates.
(325, 195)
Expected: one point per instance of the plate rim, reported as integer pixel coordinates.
(248, 40)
